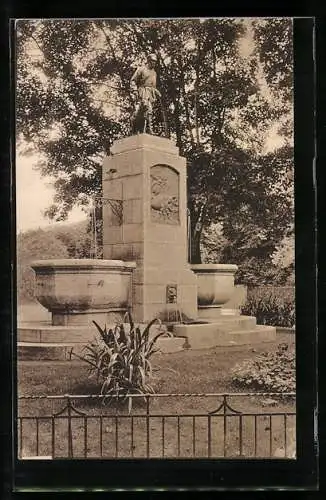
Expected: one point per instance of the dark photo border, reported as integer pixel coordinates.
(196, 474)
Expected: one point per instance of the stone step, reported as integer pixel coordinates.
(207, 336)
(227, 323)
(261, 333)
(216, 313)
(222, 325)
(48, 333)
(45, 332)
(56, 351)
(230, 312)
(37, 351)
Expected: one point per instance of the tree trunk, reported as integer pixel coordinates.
(196, 225)
(197, 94)
(197, 222)
(195, 257)
(177, 123)
(162, 103)
(186, 103)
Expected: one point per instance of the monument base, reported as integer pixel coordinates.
(207, 336)
(167, 294)
(147, 178)
(87, 317)
(43, 341)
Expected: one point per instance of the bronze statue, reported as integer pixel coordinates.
(145, 80)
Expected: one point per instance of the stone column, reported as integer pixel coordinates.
(145, 219)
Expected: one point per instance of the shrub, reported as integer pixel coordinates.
(270, 307)
(269, 371)
(77, 239)
(120, 360)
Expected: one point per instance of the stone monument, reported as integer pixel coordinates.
(146, 175)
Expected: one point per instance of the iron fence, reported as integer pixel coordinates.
(156, 426)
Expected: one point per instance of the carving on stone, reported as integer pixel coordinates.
(171, 294)
(164, 195)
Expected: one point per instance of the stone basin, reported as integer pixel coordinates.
(77, 291)
(215, 283)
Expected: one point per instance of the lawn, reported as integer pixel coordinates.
(185, 430)
(202, 370)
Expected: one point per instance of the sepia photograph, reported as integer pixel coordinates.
(155, 239)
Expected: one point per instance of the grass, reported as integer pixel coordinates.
(202, 371)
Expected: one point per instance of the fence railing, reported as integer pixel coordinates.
(155, 426)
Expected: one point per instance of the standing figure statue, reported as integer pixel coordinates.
(145, 80)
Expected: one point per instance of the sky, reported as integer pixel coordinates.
(33, 195)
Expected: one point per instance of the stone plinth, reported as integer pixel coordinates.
(237, 330)
(145, 219)
(78, 291)
(43, 341)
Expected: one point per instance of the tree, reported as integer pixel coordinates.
(77, 238)
(35, 245)
(283, 259)
(261, 224)
(274, 46)
(214, 102)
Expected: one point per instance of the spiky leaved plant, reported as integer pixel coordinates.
(121, 360)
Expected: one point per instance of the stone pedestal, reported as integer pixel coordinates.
(145, 220)
(215, 288)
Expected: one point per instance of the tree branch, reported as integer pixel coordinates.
(127, 89)
(196, 92)
(38, 45)
(185, 99)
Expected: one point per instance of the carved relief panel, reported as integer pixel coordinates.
(164, 195)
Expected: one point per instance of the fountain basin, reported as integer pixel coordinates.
(215, 284)
(77, 291)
